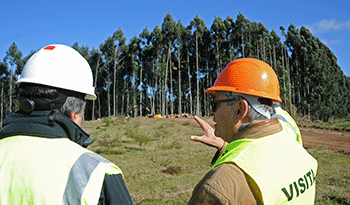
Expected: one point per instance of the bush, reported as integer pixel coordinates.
(107, 121)
(140, 137)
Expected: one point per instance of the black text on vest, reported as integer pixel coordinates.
(300, 186)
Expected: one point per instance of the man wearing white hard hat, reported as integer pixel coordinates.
(43, 155)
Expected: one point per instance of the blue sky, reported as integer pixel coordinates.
(36, 23)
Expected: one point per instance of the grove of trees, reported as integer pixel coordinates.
(169, 67)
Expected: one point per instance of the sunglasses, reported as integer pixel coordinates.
(214, 104)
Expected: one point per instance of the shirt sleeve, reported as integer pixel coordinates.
(114, 191)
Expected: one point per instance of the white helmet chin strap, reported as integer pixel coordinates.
(253, 101)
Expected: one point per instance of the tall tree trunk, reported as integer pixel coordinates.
(124, 112)
(179, 74)
(10, 107)
(274, 59)
(289, 72)
(218, 59)
(283, 73)
(242, 37)
(141, 114)
(128, 101)
(108, 93)
(95, 84)
(189, 85)
(153, 82)
(263, 50)
(99, 105)
(114, 82)
(134, 91)
(171, 82)
(197, 68)
(162, 96)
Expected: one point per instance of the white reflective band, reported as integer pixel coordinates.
(79, 176)
(253, 101)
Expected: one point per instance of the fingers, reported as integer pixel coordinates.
(202, 123)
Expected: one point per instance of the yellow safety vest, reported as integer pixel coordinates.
(282, 169)
(35, 170)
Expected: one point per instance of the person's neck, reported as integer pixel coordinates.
(258, 128)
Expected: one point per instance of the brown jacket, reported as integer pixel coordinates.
(227, 183)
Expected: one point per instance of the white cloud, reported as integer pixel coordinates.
(332, 42)
(328, 24)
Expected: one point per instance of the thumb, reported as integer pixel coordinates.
(195, 138)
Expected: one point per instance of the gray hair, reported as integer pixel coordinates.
(252, 113)
(72, 104)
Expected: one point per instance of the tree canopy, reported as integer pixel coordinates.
(168, 68)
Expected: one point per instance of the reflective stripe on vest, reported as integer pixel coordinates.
(288, 122)
(283, 170)
(36, 170)
(76, 188)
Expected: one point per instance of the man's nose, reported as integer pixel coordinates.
(211, 113)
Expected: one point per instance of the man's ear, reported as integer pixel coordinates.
(72, 116)
(243, 110)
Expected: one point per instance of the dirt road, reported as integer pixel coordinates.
(328, 140)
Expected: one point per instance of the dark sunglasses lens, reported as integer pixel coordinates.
(213, 106)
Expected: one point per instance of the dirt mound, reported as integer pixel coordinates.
(172, 170)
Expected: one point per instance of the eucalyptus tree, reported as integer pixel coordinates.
(187, 47)
(156, 39)
(143, 56)
(83, 50)
(169, 35)
(121, 48)
(207, 70)
(180, 40)
(108, 53)
(4, 73)
(293, 42)
(14, 61)
(218, 32)
(198, 27)
(134, 64)
(229, 41)
(264, 33)
(111, 50)
(96, 63)
(242, 29)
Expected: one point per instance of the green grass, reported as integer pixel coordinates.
(162, 166)
(333, 177)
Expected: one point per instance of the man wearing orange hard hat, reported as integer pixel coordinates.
(260, 157)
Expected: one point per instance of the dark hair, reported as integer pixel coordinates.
(36, 90)
(74, 102)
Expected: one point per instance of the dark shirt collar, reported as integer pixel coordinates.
(44, 124)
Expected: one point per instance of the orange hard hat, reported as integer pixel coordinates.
(248, 76)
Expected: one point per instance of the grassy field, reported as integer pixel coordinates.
(162, 166)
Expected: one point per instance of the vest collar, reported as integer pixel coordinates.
(44, 124)
(259, 129)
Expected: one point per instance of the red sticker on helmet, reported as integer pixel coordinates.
(49, 47)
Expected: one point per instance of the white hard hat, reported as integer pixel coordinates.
(59, 66)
